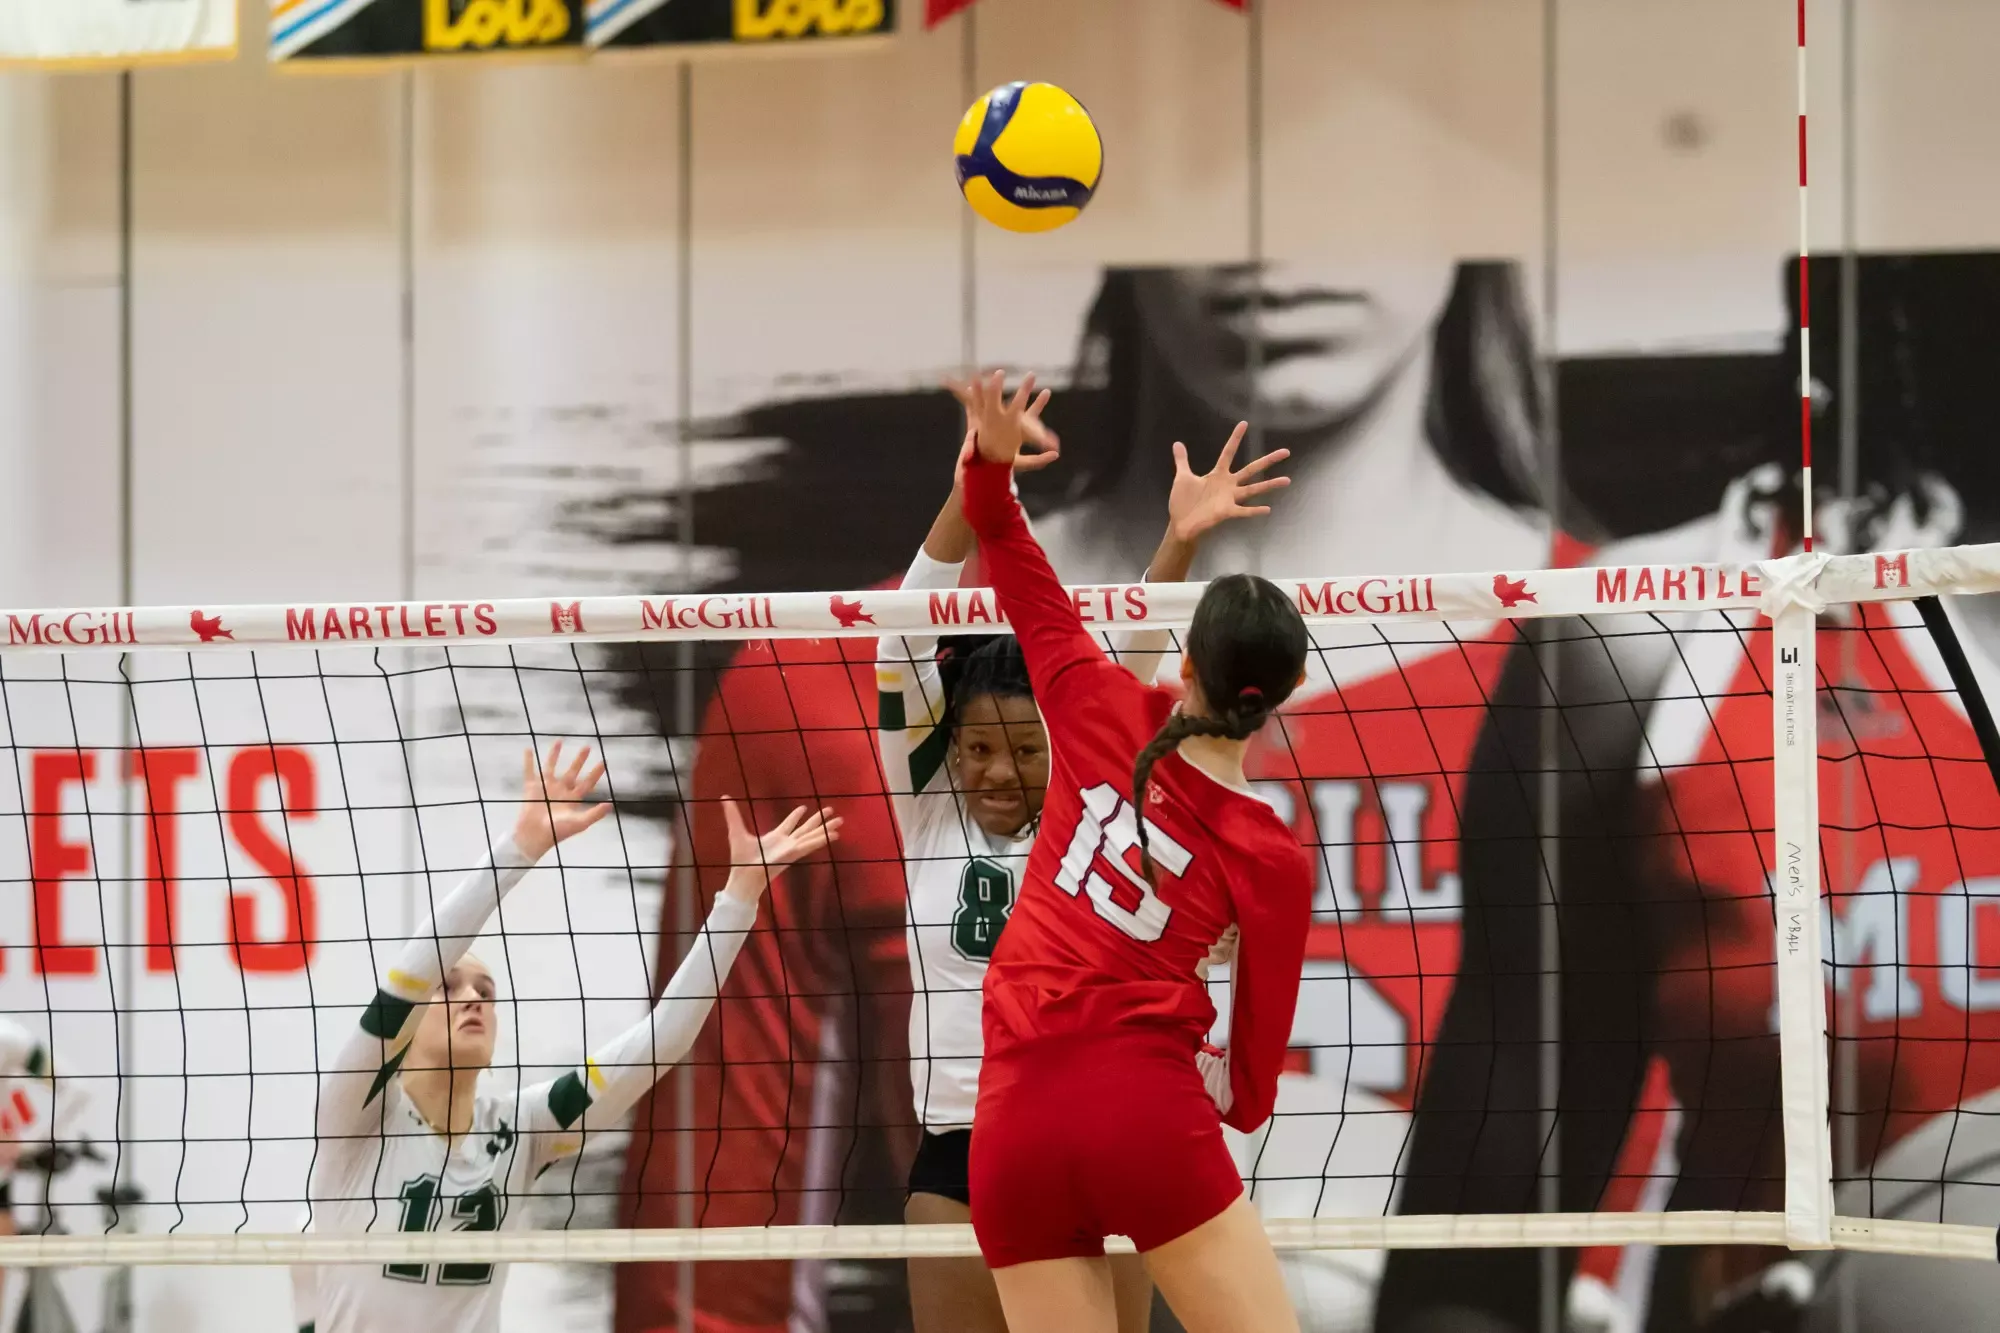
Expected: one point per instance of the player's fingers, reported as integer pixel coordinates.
(959, 389)
(592, 815)
(995, 396)
(553, 764)
(576, 766)
(1023, 395)
(1041, 401)
(733, 819)
(1036, 432)
(1269, 460)
(588, 782)
(818, 834)
(1252, 511)
(531, 772)
(1230, 447)
(1181, 468)
(1259, 487)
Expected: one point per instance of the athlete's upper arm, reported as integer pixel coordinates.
(366, 1062)
(910, 702)
(911, 725)
(549, 1116)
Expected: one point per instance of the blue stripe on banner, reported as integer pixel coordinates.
(279, 36)
(608, 16)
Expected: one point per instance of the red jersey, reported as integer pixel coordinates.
(1093, 945)
(1910, 839)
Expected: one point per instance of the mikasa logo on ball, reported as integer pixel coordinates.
(1030, 192)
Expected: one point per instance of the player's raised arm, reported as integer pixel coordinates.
(1053, 639)
(951, 538)
(910, 702)
(614, 1077)
(1199, 503)
(553, 809)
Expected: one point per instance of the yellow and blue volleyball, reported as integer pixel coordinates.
(1028, 157)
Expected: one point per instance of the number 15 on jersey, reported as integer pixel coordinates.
(1109, 824)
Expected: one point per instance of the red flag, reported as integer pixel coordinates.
(937, 11)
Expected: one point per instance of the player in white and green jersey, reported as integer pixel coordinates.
(25, 1122)
(967, 764)
(411, 1138)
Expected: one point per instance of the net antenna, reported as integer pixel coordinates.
(1805, 322)
(1794, 605)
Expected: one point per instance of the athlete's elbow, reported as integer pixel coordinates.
(1250, 1108)
(1247, 1119)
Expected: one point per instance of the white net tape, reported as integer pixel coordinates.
(1358, 599)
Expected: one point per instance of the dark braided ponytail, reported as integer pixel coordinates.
(1248, 645)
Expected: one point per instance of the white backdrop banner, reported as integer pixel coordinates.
(123, 32)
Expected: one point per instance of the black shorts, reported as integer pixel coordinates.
(942, 1166)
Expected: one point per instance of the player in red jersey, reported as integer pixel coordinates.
(1098, 1113)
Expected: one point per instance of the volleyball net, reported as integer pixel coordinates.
(1656, 905)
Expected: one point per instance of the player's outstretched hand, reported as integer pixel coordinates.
(1200, 501)
(754, 862)
(552, 800)
(1002, 424)
(1040, 446)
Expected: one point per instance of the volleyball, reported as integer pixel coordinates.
(1028, 157)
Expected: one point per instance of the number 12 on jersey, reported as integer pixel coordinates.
(1109, 824)
(477, 1210)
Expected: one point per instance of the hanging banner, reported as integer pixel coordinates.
(308, 34)
(91, 33)
(744, 24)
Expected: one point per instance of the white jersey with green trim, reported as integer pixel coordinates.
(379, 1166)
(961, 880)
(24, 1122)
(404, 1176)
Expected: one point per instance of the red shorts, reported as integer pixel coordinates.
(1078, 1138)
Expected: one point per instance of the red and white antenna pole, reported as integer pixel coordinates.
(1805, 322)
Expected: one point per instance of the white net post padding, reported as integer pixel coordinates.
(1790, 601)
(1792, 591)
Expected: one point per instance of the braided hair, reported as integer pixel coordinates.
(1248, 645)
